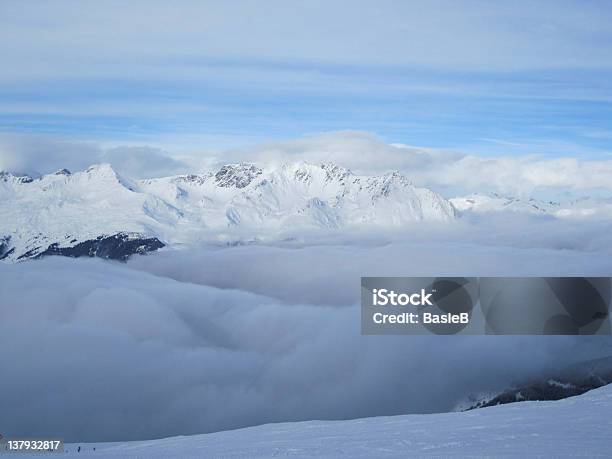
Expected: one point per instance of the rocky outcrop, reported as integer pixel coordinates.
(115, 247)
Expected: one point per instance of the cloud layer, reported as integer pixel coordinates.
(37, 154)
(104, 351)
(449, 172)
(419, 72)
(439, 169)
(479, 35)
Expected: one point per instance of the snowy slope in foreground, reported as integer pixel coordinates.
(578, 426)
(98, 212)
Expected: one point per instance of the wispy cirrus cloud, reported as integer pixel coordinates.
(479, 35)
(425, 73)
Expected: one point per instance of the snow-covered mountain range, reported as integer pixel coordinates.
(98, 212)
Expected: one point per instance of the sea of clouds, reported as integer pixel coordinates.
(184, 342)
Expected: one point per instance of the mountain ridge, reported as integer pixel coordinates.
(55, 212)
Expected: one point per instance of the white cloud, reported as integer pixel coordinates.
(450, 172)
(143, 162)
(103, 351)
(521, 175)
(38, 154)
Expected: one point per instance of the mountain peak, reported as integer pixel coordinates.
(19, 178)
(237, 175)
(105, 172)
(335, 172)
(306, 172)
(101, 168)
(198, 179)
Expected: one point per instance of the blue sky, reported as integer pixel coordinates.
(485, 77)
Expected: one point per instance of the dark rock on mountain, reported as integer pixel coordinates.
(237, 175)
(116, 247)
(568, 382)
(5, 248)
(18, 178)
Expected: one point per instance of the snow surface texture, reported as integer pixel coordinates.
(575, 427)
(66, 209)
